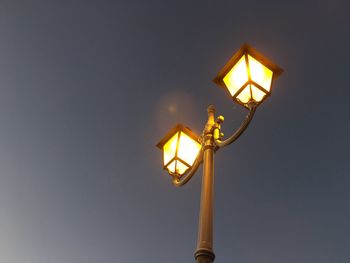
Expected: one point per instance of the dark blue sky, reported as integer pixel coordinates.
(87, 88)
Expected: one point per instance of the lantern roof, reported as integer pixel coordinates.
(173, 131)
(246, 49)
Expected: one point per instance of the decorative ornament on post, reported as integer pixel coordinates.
(248, 78)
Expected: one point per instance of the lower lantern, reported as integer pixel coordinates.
(180, 149)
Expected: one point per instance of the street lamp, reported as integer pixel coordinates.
(180, 149)
(248, 78)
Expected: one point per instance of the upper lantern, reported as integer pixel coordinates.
(180, 149)
(248, 76)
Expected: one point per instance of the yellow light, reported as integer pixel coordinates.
(180, 149)
(258, 95)
(170, 149)
(244, 96)
(248, 76)
(177, 167)
(181, 168)
(172, 167)
(237, 76)
(188, 149)
(259, 73)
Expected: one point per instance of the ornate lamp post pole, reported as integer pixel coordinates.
(248, 78)
(204, 252)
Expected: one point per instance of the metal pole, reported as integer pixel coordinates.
(204, 252)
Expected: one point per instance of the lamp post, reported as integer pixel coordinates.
(247, 77)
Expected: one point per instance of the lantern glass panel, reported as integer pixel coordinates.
(172, 167)
(244, 96)
(170, 149)
(188, 149)
(237, 76)
(258, 95)
(180, 167)
(259, 73)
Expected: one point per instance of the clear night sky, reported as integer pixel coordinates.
(87, 88)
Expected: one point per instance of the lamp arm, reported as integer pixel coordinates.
(219, 143)
(180, 182)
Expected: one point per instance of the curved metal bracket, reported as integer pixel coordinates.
(219, 143)
(180, 182)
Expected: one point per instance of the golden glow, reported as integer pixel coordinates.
(188, 149)
(180, 167)
(170, 149)
(171, 167)
(181, 151)
(258, 95)
(237, 76)
(177, 167)
(244, 96)
(248, 76)
(260, 74)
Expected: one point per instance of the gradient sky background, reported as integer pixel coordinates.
(87, 88)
